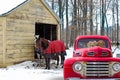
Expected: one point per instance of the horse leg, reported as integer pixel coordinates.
(42, 60)
(47, 63)
(57, 58)
(62, 59)
(38, 59)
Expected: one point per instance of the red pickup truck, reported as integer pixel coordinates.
(92, 59)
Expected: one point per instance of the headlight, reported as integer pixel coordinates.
(77, 66)
(116, 66)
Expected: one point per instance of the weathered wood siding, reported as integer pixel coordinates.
(2, 40)
(20, 30)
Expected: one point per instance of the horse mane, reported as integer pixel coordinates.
(44, 43)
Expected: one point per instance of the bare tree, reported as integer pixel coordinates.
(102, 17)
(88, 17)
(67, 29)
(91, 16)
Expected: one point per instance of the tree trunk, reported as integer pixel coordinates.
(67, 29)
(53, 4)
(103, 19)
(91, 16)
(85, 16)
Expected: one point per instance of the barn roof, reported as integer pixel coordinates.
(44, 3)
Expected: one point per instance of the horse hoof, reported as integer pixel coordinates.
(61, 66)
(56, 67)
(33, 65)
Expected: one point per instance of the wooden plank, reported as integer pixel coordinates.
(16, 46)
(1, 59)
(4, 41)
(20, 42)
(17, 60)
(2, 23)
(19, 37)
(20, 34)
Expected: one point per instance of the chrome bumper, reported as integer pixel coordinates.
(93, 79)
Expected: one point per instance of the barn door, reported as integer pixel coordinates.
(47, 31)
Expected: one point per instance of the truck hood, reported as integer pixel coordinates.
(94, 52)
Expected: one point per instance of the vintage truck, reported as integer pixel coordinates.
(92, 59)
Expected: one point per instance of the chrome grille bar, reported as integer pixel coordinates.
(97, 69)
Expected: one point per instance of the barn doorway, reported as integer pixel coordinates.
(47, 31)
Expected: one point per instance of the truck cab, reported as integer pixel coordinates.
(92, 59)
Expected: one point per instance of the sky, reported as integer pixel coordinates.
(7, 5)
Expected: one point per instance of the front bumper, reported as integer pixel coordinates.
(93, 79)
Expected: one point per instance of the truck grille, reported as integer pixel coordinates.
(97, 69)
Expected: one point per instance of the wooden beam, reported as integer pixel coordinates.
(4, 41)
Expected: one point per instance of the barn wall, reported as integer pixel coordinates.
(19, 41)
(2, 40)
(20, 29)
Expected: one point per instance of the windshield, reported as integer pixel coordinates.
(87, 43)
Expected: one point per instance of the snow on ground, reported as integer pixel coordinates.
(116, 51)
(26, 71)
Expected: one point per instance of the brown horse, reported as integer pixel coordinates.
(51, 50)
(47, 47)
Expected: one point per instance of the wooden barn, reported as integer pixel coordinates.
(19, 26)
